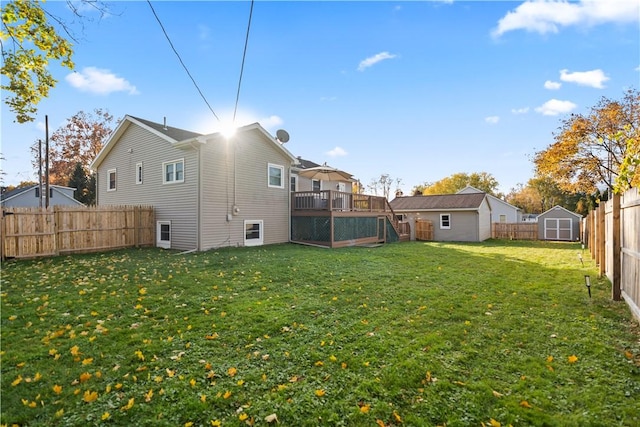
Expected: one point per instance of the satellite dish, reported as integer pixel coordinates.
(282, 135)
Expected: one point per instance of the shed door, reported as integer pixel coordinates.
(558, 229)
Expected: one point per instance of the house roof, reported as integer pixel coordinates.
(465, 201)
(173, 133)
(175, 136)
(471, 189)
(17, 191)
(305, 164)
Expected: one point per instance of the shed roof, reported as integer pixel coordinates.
(468, 201)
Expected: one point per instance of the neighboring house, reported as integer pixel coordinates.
(501, 211)
(462, 217)
(529, 218)
(208, 191)
(559, 223)
(29, 197)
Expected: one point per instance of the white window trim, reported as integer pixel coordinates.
(164, 171)
(139, 173)
(319, 184)
(254, 242)
(445, 227)
(115, 181)
(165, 244)
(274, 166)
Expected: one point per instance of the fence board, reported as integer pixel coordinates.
(599, 224)
(34, 232)
(515, 230)
(424, 229)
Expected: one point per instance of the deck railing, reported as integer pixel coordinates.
(331, 200)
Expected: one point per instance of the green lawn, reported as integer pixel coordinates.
(414, 334)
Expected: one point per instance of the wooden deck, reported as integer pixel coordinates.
(337, 219)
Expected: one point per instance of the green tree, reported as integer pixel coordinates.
(28, 42)
(452, 184)
(589, 150)
(80, 182)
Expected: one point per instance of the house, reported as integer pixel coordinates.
(559, 223)
(29, 197)
(501, 211)
(208, 191)
(463, 217)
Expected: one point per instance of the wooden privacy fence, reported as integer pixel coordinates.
(424, 229)
(515, 230)
(612, 233)
(35, 232)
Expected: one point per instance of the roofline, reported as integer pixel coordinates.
(202, 139)
(117, 133)
(438, 209)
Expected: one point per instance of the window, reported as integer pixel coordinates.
(38, 192)
(163, 232)
(445, 221)
(276, 173)
(341, 186)
(173, 172)
(294, 182)
(139, 173)
(253, 233)
(503, 218)
(316, 185)
(111, 180)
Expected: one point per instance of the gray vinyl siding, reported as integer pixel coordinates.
(236, 174)
(466, 226)
(28, 199)
(484, 221)
(306, 184)
(172, 202)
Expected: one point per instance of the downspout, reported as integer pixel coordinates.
(289, 208)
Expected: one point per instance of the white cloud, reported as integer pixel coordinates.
(366, 63)
(523, 110)
(552, 85)
(271, 121)
(337, 152)
(548, 16)
(99, 81)
(328, 98)
(593, 78)
(492, 119)
(203, 32)
(554, 107)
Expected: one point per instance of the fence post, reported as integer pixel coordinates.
(2, 234)
(615, 240)
(56, 228)
(602, 267)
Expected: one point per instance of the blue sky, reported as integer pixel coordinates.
(416, 90)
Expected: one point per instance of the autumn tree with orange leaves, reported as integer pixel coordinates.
(78, 141)
(589, 150)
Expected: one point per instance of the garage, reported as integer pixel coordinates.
(560, 224)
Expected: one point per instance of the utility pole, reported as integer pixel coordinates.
(40, 173)
(46, 160)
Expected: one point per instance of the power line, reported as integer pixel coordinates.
(244, 55)
(181, 62)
